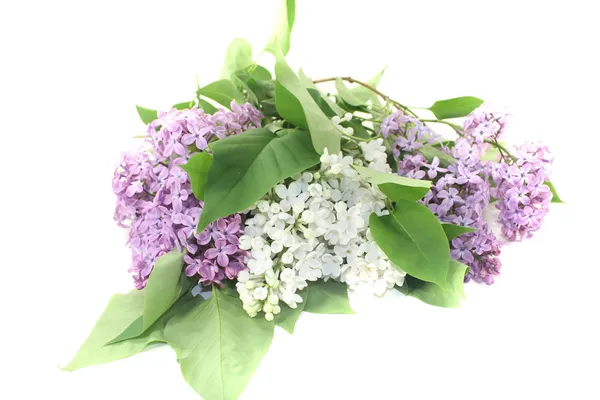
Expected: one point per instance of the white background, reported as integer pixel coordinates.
(71, 73)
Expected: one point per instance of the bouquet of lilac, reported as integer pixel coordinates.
(266, 197)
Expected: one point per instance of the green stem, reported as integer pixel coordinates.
(457, 128)
(253, 66)
(503, 151)
(369, 129)
(355, 139)
(388, 205)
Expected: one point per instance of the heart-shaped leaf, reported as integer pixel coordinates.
(197, 168)
(295, 104)
(247, 165)
(452, 296)
(414, 240)
(218, 345)
(146, 115)
(456, 107)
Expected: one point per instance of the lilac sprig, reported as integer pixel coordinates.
(459, 192)
(523, 197)
(155, 200)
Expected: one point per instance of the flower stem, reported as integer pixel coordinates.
(504, 153)
(457, 128)
(388, 205)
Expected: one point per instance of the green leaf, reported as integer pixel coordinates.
(206, 106)
(456, 107)
(394, 186)
(247, 165)
(121, 312)
(323, 105)
(185, 105)
(430, 293)
(218, 345)
(346, 94)
(238, 57)
(414, 240)
(555, 197)
(308, 84)
(260, 73)
(197, 168)
(452, 231)
(280, 38)
(359, 130)
(429, 152)
(263, 89)
(223, 92)
(365, 94)
(295, 104)
(164, 287)
(329, 297)
(146, 115)
(268, 108)
(288, 316)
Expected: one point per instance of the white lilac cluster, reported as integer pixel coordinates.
(315, 227)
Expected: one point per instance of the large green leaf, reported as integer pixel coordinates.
(262, 89)
(197, 168)
(452, 231)
(280, 38)
(396, 187)
(238, 56)
(121, 312)
(206, 106)
(146, 115)
(414, 240)
(295, 104)
(347, 95)
(430, 293)
(555, 197)
(218, 345)
(329, 297)
(308, 84)
(288, 316)
(247, 165)
(323, 105)
(223, 92)
(165, 286)
(184, 105)
(456, 107)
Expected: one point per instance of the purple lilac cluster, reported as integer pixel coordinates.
(155, 200)
(523, 197)
(460, 192)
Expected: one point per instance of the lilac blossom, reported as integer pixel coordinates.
(459, 192)
(154, 196)
(523, 197)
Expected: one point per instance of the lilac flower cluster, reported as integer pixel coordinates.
(155, 200)
(459, 192)
(523, 197)
(409, 133)
(179, 134)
